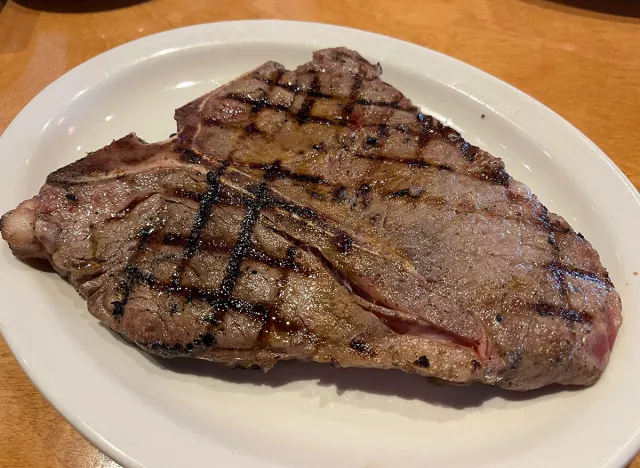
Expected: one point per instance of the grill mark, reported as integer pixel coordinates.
(288, 263)
(581, 274)
(206, 202)
(570, 315)
(127, 286)
(276, 171)
(316, 93)
(399, 193)
(302, 116)
(242, 245)
(269, 201)
(190, 293)
(253, 253)
(242, 249)
(354, 92)
(276, 80)
(251, 128)
(257, 104)
(221, 299)
(411, 162)
(492, 175)
(302, 211)
(210, 198)
(425, 134)
(293, 87)
(341, 194)
(557, 273)
(382, 135)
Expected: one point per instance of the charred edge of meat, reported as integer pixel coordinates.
(361, 346)
(204, 339)
(498, 176)
(570, 315)
(469, 152)
(422, 361)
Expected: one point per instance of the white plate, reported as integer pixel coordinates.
(144, 412)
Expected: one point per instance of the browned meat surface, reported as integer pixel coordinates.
(317, 214)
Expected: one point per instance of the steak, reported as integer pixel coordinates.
(317, 214)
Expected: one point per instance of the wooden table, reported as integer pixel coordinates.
(582, 63)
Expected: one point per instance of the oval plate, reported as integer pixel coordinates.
(143, 411)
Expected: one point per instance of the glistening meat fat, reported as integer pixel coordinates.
(318, 215)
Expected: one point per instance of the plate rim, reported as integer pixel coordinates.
(109, 60)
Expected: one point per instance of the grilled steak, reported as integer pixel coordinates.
(317, 214)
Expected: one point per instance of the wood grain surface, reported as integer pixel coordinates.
(580, 58)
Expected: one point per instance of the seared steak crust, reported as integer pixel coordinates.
(317, 214)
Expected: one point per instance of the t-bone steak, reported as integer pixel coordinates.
(319, 215)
